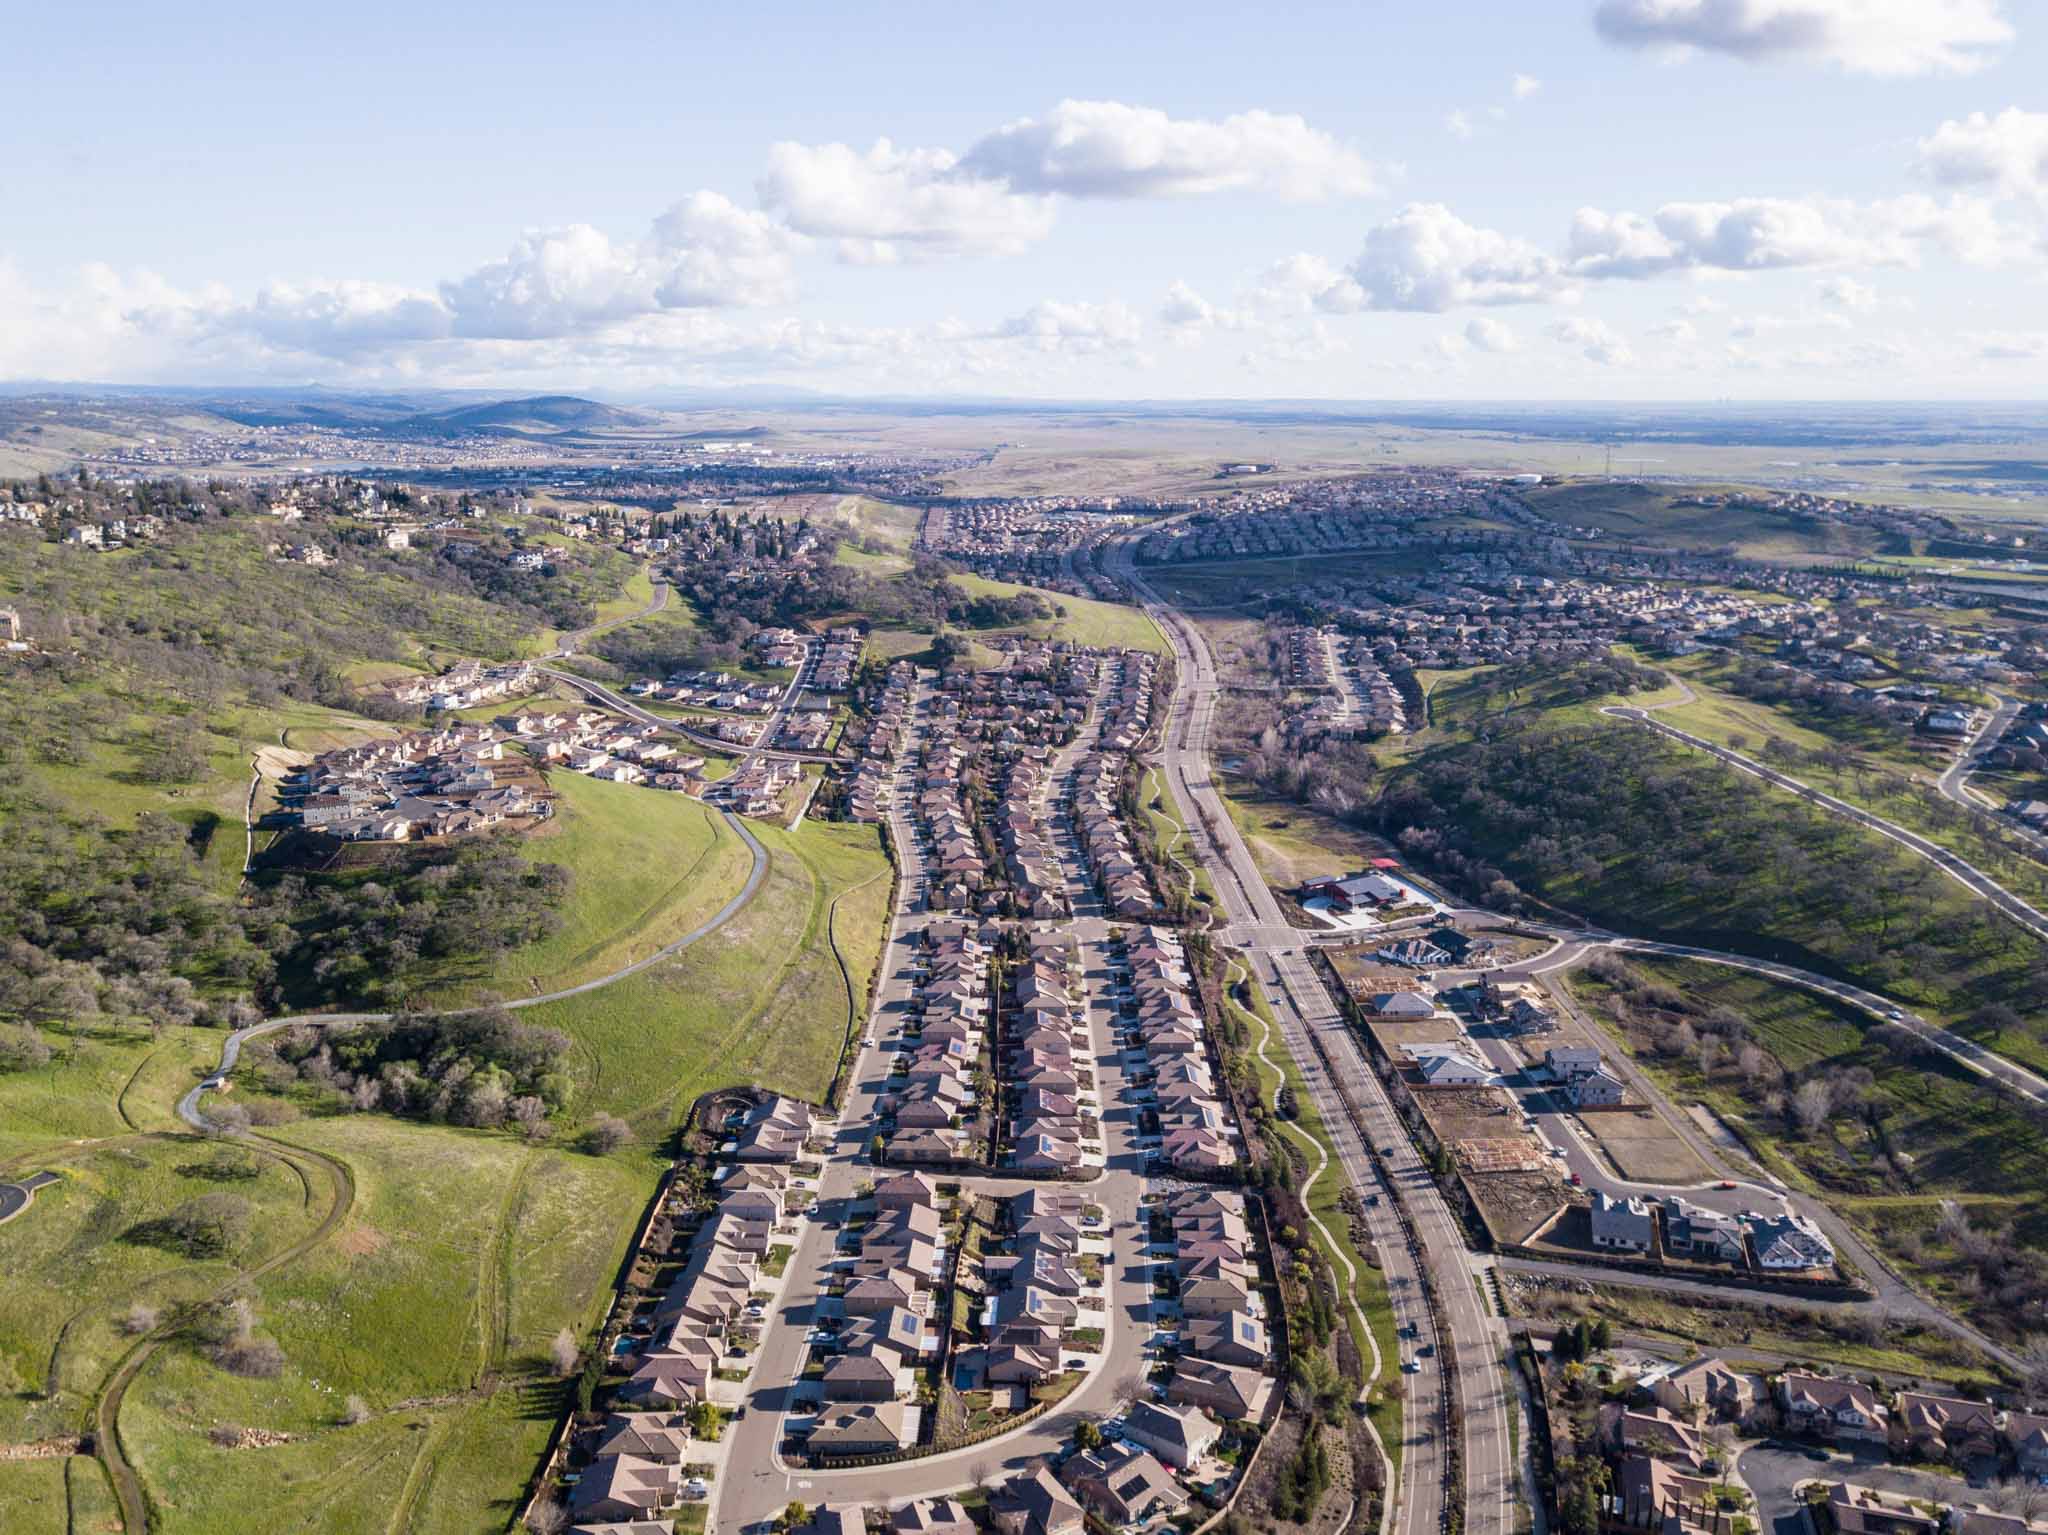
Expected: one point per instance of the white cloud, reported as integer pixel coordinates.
(888, 197)
(1109, 149)
(2013, 346)
(1757, 234)
(1187, 316)
(1051, 325)
(1304, 283)
(1596, 341)
(1524, 86)
(1490, 335)
(1677, 332)
(704, 253)
(1847, 293)
(2008, 153)
(1427, 258)
(1459, 124)
(1869, 37)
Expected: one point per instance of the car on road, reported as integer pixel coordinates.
(1725, 1183)
(1410, 1367)
(1897, 1015)
(215, 1082)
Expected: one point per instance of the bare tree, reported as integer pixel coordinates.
(607, 1134)
(980, 1474)
(355, 1411)
(530, 1114)
(563, 1352)
(1811, 1104)
(142, 1317)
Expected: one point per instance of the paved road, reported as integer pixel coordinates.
(1347, 1092)
(231, 1048)
(1772, 1471)
(1952, 864)
(598, 693)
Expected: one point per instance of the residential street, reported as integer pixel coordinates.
(1313, 1031)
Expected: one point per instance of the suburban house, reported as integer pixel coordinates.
(1622, 1225)
(1124, 1485)
(869, 1429)
(1229, 1391)
(1034, 1503)
(1845, 1409)
(1179, 1436)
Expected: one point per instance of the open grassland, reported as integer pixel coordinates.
(1924, 1133)
(1628, 829)
(458, 1256)
(101, 1081)
(84, 1253)
(32, 1496)
(1643, 513)
(1081, 620)
(1873, 765)
(765, 1003)
(1226, 585)
(645, 868)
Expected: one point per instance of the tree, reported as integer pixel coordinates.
(1088, 1434)
(1812, 1102)
(705, 1421)
(607, 1134)
(355, 1411)
(794, 1514)
(562, 1353)
(530, 1114)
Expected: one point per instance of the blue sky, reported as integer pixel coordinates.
(1577, 199)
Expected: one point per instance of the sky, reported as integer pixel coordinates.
(1465, 199)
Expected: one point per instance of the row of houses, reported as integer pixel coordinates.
(1098, 789)
(870, 791)
(435, 783)
(607, 747)
(1783, 1242)
(1054, 1123)
(932, 1095)
(1168, 1070)
(1224, 1351)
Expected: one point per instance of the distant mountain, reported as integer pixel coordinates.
(546, 413)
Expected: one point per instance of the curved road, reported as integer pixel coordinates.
(1953, 865)
(231, 1049)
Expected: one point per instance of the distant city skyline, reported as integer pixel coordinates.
(1623, 200)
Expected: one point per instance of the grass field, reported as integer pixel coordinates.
(1874, 766)
(1082, 620)
(1277, 1068)
(645, 867)
(1292, 843)
(1771, 1335)
(1645, 513)
(765, 1003)
(75, 1264)
(459, 1256)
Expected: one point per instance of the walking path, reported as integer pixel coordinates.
(231, 1048)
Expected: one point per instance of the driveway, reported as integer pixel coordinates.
(1773, 1468)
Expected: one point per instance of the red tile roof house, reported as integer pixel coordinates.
(1845, 1409)
(1947, 1427)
